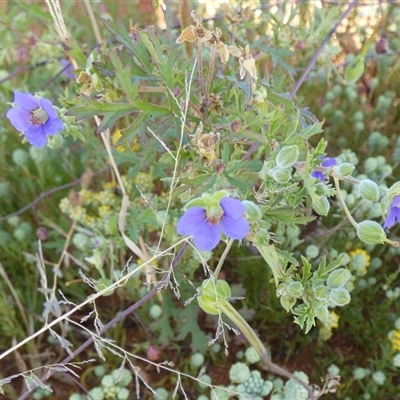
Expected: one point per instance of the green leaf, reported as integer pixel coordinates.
(93, 108)
(162, 324)
(150, 47)
(305, 315)
(189, 325)
(312, 130)
(133, 129)
(355, 69)
(124, 76)
(137, 48)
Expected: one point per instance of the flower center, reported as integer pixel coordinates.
(38, 117)
(214, 219)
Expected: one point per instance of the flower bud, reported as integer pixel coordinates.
(288, 302)
(369, 190)
(370, 232)
(153, 353)
(211, 292)
(382, 45)
(312, 251)
(338, 278)
(322, 313)
(345, 169)
(355, 69)
(55, 142)
(394, 190)
(253, 211)
(339, 296)
(287, 156)
(266, 169)
(321, 292)
(295, 289)
(97, 82)
(321, 206)
(42, 233)
(281, 175)
(321, 189)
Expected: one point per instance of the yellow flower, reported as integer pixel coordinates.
(359, 261)
(116, 135)
(325, 331)
(396, 340)
(246, 61)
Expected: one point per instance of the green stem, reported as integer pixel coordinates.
(223, 257)
(254, 340)
(244, 327)
(250, 83)
(344, 206)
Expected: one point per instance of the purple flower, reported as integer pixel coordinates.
(394, 213)
(326, 162)
(35, 117)
(67, 68)
(206, 229)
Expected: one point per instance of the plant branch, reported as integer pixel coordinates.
(320, 48)
(119, 317)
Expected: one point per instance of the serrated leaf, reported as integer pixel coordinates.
(137, 48)
(189, 325)
(93, 108)
(124, 76)
(132, 130)
(150, 46)
(162, 324)
(312, 130)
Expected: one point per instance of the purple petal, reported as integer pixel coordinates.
(52, 126)
(394, 213)
(67, 68)
(396, 201)
(192, 221)
(318, 175)
(390, 219)
(48, 108)
(329, 162)
(19, 118)
(208, 237)
(26, 101)
(36, 136)
(234, 228)
(232, 208)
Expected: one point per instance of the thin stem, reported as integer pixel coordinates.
(255, 341)
(51, 191)
(250, 83)
(88, 301)
(344, 206)
(245, 328)
(14, 294)
(314, 58)
(200, 57)
(119, 317)
(93, 21)
(210, 74)
(223, 257)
